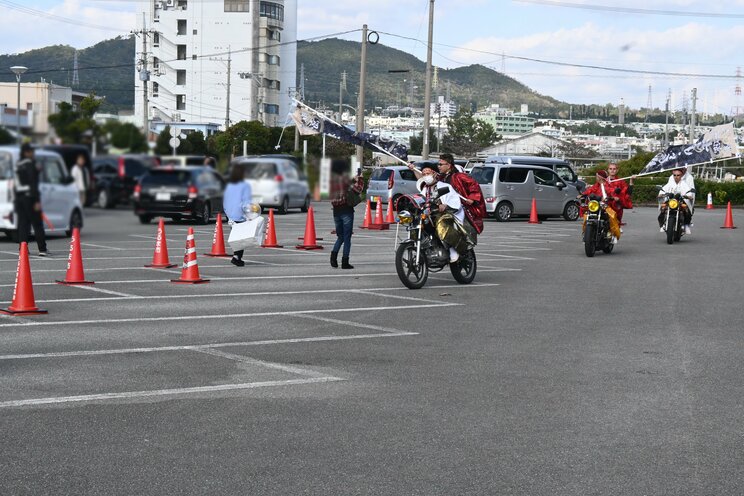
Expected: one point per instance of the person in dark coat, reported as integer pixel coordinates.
(27, 203)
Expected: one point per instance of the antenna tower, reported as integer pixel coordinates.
(649, 104)
(75, 75)
(737, 110)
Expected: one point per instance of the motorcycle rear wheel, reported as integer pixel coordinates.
(589, 246)
(412, 275)
(465, 268)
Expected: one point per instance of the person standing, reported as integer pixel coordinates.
(620, 191)
(79, 176)
(345, 195)
(27, 201)
(236, 200)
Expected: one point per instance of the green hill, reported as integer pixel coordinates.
(107, 68)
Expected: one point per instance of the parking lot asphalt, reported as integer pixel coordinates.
(552, 373)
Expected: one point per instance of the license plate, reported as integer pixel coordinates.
(375, 199)
(162, 196)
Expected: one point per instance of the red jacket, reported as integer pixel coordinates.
(467, 187)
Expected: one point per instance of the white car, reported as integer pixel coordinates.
(60, 200)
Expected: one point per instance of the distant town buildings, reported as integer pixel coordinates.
(506, 122)
(216, 62)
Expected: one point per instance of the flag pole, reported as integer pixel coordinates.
(679, 167)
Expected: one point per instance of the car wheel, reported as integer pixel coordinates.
(76, 220)
(145, 219)
(571, 211)
(104, 199)
(206, 214)
(504, 211)
(306, 206)
(284, 207)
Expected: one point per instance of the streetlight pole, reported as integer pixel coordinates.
(427, 87)
(360, 100)
(18, 70)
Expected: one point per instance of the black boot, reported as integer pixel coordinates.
(334, 259)
(345, 263)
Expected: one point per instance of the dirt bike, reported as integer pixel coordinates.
(422, 251)
(597, 235)
(675, 209)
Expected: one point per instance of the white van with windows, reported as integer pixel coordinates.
(60, 201)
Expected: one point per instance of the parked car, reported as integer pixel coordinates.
(180, 160)
(508, 190)
(276, 183)
(188, 192)
(70, 154)
(392, 181)
(560, 167)
(60, 200)
(116, 177)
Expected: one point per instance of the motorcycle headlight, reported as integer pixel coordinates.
(673, 203)
(405, 217)
(593, 206)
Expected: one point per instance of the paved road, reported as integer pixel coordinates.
(551, 374)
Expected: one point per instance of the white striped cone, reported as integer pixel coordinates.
(190, 268)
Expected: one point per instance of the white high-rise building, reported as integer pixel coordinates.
(191, 44)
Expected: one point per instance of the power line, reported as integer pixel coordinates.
(633, 10)
(54, 17)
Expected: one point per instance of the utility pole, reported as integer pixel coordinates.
(360, 100)
(341, 89)
(300, 95)
(144, 76)
(692, 116)
(227, 106)
(666, 119)
(427, 86)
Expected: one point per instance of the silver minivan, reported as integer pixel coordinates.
(276, 183)
(560, 167)
(389, 182)
(509, 189)
(60, 200)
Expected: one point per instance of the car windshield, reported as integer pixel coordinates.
(6, 165)
(260, 170)
(167, 178)
(380, 174)
(484, 175)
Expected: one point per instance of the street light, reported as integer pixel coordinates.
(18, 70)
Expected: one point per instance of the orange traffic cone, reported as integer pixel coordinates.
(160, 257)
(390, 217)
(218, 241)
(23, 294)
(709, 205)
(309, 241)
(190, 269)
(270, 240)
(379, 223)
(367, 217)
(75, 273)
(729, 222)
(533, 213)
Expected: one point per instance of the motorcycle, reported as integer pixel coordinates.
(422, 251)
(597, 235)
(676, 208)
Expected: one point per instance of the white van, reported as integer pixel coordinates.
(60, 200)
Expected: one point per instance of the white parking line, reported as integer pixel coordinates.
(105, 291)
(261, 363)
(164, 392)
(222, 316)
(115, 248)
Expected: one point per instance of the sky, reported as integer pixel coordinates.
(699, 41)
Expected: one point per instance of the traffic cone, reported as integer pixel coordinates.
(190, 269)
(367, 217)
(23, 293)
(218, 241)
(729, 222)
(390, 218)
(709, 205)
(379, 223)
(270, 240)
(75, 273)
(309, 241)
(533, 213)
(160, 257)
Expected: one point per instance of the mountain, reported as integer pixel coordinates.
(107, 68)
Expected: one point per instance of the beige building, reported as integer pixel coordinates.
(38, 101)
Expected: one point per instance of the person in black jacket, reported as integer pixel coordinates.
(28, 200)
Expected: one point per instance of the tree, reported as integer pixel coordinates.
(126, 136)
(255, 133)
(467, 135)
(162, 147)
(417, 142)
(5, 137)
(76, 126)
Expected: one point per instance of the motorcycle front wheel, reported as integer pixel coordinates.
(464, 269)
(589, 246)
(671, 228)
(411, 274)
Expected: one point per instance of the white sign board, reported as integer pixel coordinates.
(325, 176)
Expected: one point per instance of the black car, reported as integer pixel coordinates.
(189, 192)
(117, 175)
(70, 154)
